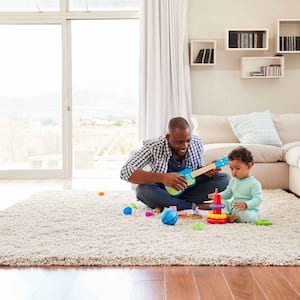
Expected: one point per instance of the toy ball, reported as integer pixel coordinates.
(169, 216)
(127, 210)
(132, 205)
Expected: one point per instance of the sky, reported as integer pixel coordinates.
(105, 55)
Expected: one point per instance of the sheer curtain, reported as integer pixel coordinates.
(165, 78)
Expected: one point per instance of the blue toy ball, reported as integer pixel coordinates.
(127, 210)
(169, 216)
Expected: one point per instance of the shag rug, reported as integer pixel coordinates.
(82, 228)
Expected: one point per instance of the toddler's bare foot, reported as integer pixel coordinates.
(231, 218)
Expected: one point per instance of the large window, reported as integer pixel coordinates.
(105, 57)
(30, 97)
(74, 5)
(69, 86)
(103, 5)
(29, 5)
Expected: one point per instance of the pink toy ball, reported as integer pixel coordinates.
(169, 216)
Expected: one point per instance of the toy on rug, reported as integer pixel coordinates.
(132, 205)
(100, 193)
(169, 216)
(217, 217)
(263, 222)
(149, 214)
(127, 210)
(198, 225)
(190, 214)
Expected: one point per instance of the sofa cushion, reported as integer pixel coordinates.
(261, 153)
(288, 126)
(293, 156)
(213, 129)
(255, 128)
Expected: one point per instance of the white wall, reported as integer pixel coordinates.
(219, 89)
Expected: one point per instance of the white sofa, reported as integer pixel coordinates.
(274, 166)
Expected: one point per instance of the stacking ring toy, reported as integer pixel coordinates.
(217, 216)
(216, 221)
(263, 222)
(216, 205)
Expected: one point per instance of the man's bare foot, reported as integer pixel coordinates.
(157, 210)
(231, 218)
(203, 206)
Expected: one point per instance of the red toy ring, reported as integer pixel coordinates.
(216, 221)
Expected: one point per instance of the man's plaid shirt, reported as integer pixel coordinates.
(156, 154)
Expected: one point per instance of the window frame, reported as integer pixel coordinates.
(63, 18)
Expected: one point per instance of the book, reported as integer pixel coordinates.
(199, 56)
(212, 57)
(297, 43)
(206, 56)
(233, 39)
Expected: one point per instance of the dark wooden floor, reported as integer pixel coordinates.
(136, 283)
(143, 283)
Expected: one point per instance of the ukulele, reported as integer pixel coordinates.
(190, 175)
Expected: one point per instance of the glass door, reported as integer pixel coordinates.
(31, 114)
(105, 67)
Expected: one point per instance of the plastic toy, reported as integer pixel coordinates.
(198, 225)
(132, 205)
(127, 210)
(100, 193)
(263, 222)
(149, 214)
(217, 217)
(190, 214)
(190, 175)
(169, 216)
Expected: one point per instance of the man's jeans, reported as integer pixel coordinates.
(154, 194)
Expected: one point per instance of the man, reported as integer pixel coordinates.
(165, 156)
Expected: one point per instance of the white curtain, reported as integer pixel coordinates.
(164, 66)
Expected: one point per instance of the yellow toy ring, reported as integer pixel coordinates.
(217, 216)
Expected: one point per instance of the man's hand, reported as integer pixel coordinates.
(175, 181)
(213, 172)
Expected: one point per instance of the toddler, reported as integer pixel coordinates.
(243, 194)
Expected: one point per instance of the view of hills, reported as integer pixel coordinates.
(86, 105)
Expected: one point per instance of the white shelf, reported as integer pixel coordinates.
(247, 39)
(288, 36)
(262, 67)
(202, 52)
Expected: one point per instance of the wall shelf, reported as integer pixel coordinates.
(247, 39)
(202, 52)
(262, 67)
(288, 36)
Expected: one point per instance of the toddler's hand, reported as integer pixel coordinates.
(231, 218)
(240, 205)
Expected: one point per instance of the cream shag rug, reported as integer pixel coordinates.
(82, 228)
